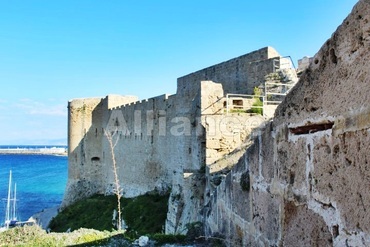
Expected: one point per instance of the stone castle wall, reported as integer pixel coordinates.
(145, 150)
(238, 75)
(85, 147)
(305, 180)
(164, 142)
(301, 179)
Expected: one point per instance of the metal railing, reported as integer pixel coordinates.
(274, 92)
(231, 98)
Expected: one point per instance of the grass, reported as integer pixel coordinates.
(95, 212)
(256, 107)
(144, 214)
(35, 236)
(90, 224)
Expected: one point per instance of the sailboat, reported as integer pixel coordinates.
(10, 212)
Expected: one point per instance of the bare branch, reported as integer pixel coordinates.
(118, 189)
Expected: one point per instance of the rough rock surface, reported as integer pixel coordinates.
(308, 169)
(44, 217)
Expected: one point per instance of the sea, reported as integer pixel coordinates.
(40, 179)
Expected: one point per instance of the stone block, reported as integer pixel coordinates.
(252, 160)
(303, 227)
(240, 200)
(266, 209)
(213, 144)
(342, 175)
(268, 154)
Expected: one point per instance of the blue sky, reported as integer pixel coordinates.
(53, 51)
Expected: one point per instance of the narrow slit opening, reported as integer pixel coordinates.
(95, 159)
(312, 128)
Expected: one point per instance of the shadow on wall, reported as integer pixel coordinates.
(85, 163)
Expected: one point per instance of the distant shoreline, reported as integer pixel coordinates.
(44, 151)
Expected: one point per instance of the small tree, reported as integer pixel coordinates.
(118, 189)
(258, 104)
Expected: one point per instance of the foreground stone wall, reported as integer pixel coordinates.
(305, 180)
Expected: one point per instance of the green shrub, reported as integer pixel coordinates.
(144, 214)
(195, 230)
(257, 102)
(257, 109)
(94, 212)
(168, 239)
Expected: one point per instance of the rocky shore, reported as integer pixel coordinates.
(44, 217)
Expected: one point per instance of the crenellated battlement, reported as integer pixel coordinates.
(165, 142)
(300, 178)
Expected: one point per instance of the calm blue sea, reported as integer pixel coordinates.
(41, 180)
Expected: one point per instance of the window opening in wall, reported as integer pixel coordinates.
(311, 128)
(95, 159)
(238, 103)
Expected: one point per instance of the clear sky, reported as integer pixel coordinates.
(52, 51)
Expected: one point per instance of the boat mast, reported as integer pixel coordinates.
(7, 214)
(14, 217)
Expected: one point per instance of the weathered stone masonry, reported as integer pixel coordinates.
(305, 181)
(302, 181)
(166, 142)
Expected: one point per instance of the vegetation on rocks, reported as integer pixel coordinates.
(35, 236)
(89, 223)
(144, 214)
(258, 104)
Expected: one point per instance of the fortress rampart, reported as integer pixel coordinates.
(237, 75)
(165, 142)
(300, 178)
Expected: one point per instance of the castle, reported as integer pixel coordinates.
(297, 175)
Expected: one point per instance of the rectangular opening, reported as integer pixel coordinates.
(311, 128)
(238, 103)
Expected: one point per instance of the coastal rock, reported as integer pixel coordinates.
(44, 217)
(143, 241)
